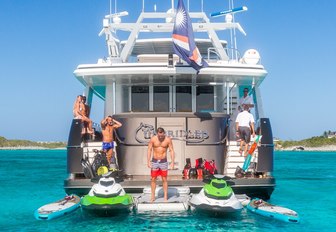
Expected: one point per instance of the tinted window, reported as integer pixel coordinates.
(161, 98)
(140, 98)
(183, 99)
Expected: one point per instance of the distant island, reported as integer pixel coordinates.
(26, 144)
(325, 142)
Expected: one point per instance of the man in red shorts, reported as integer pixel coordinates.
(158, 145)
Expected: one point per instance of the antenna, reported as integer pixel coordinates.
(231, 11)
(234, 34)
(110, 8)
(229, 18)
(115, 6)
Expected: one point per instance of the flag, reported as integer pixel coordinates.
(183, 39)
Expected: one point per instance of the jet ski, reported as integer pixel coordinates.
(215, 197)
(107, 197)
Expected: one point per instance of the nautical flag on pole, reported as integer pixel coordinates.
(183, 39)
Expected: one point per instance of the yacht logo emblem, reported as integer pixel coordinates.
(144, 132)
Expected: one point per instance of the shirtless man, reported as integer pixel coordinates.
(86, 112)
(108, 125)
(87, 107)
(159, 164)
(79, 112)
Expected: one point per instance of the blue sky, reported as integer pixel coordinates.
(42, 42)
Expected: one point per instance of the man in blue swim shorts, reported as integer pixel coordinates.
(107, 146)
(108, 126)
(158, 145)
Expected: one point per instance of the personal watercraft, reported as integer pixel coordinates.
(215, 197)
(107, 197)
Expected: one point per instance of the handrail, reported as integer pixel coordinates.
(74, 146)
(228, 51)
(234, 85)
(266, 145)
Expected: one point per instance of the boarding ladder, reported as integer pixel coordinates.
(234, 158)
(89, 147)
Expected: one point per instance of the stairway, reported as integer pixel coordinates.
(234, 159)
(88, 149)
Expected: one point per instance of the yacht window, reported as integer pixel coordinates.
(219, 97)
(123, 99)
(183, 99)
(140, 98)
(205, 98)
(161, 98)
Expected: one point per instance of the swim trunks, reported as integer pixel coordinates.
(108, 146)
(159, 168)
(245, 133)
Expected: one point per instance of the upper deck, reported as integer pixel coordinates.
(141, 69)
(135, 57)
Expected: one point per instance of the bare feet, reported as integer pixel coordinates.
(240, 152)
(152, 200)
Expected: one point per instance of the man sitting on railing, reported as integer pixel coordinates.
(79, 112)
(86, 112)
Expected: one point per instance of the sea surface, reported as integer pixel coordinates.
(29, 179)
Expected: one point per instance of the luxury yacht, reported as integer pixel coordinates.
(145, 85)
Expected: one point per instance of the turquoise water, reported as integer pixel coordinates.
(29, 179)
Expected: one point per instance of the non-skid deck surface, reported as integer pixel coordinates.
(146, 199)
